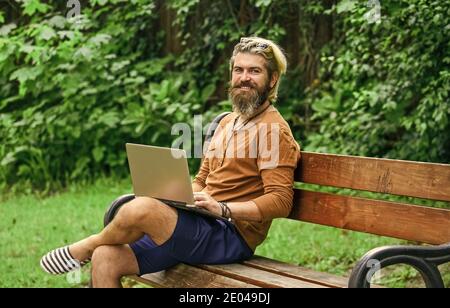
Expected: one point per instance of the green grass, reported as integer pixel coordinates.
(334, 251)
(30, 226)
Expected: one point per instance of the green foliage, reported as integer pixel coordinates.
(74, 90)
(74, 93)
(385, 87)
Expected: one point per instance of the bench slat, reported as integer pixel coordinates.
(258, 277)
(403, 221)
(405, 178)
(297, 272)
(185, 276)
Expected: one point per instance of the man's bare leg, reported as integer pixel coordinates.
(136, 218)
(110, 264)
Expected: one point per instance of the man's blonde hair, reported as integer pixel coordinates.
(276, 59)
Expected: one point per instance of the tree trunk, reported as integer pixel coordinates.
(172, 43)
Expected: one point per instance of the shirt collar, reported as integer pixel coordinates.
(253, 121)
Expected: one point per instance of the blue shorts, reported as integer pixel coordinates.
(196, 240)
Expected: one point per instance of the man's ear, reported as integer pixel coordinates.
(274, 80)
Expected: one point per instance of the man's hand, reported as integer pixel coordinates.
(205, 201)
(239, 210)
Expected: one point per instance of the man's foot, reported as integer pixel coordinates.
(60, 261)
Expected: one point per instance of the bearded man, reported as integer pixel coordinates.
(246, 176)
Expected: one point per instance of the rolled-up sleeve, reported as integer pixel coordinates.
(278, 177)
(200, 178)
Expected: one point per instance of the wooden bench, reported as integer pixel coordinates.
(399, 220)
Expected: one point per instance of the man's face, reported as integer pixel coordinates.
(250, 85)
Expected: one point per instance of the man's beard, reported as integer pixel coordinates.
(246, 103)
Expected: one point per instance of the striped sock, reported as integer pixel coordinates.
(60, 261)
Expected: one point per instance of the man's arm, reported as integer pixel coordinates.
(200, 180)
(239, 210)
(245, 211)
(196, 187)
(277, 174)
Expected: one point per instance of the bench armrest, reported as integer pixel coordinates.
(114, 208)
(424, 259)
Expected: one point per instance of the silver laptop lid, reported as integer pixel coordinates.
(160, 173)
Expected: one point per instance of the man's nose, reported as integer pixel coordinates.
(246, 76)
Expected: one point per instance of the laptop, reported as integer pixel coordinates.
(163, 174)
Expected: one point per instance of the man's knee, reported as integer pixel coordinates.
(104, 258)
(141, 210)
(113, 261)
(104, 254)
(135, 211)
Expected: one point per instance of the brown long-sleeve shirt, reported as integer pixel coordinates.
(242, 165)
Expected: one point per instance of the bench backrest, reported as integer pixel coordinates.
(394, 219)
(393, 177)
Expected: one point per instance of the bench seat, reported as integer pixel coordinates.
(258, 272)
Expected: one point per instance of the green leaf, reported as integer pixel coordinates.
(66, 34)
(26, 73)
(346, 6)
(263, 3)
(6, 51)
(141, 128)
(207, 92)
(6, 29)
(84, 52)
(58, 21)
(164, 91)
(98, 154)
(100, 39)
(47, 33)
(8, 159)
(80, 167)
(33, 6)
(24, 170)
(111, 119)
(99, 2)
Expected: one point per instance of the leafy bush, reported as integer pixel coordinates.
(386, 84)
(73, 91)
